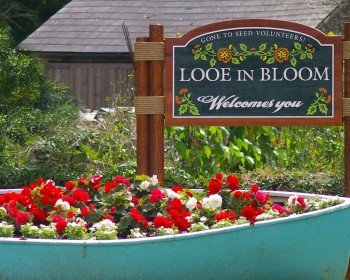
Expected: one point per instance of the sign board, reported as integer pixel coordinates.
(254, 72)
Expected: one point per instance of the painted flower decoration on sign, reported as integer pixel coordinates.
(322, 99)
(281, 55)
(238, 54)
(185, 103)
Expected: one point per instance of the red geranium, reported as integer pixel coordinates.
(61, 226)
(249, 213)
(232, 183)
(161, 221)
(22, 218)
(156, 195)
(214, 186)
(80, 195)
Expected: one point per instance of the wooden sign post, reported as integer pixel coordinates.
(238, 73)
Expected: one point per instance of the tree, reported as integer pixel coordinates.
(23, 17)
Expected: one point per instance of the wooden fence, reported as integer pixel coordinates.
(93, 84)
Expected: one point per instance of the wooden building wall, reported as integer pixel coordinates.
(93, 83)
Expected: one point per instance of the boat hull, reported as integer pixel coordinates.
(315, 245)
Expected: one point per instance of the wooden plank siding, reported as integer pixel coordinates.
(93, 84)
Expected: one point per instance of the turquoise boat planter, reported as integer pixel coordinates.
(313, 245)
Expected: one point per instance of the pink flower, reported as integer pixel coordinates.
(279, 208)
(261, 197)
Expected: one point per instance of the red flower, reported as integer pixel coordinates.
(69, 185)
(2, 200)
(156, 195)
(182, 224)
(57, 218)
(225, 216)
(70, 215)
(22, 218)
(95, 180)
(113, 210)
(109, 218)
(61, 226)
(45, 200)
(135, 200)
(92, 207)
(232, 182)
(80, 195)
(219, 176)
(249, 213)
(68, 199)
(214, 186)
(254, 188)
(302, 202)
(177, 188)
(85, 211)
(121, 180)
(13, 212)
(110, 186)
(161, 221)
(174, 204)
(39, 215)
(81, 181)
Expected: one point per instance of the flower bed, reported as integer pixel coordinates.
(250, 237)
(92, 209)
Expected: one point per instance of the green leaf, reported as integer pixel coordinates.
(235, 61)
(262, 47)
(209, 46)
(212, 62)
(293, 61)
(203, 56)
(312, 110)
(180, 148)
(243, 47)
(183, 109)
(196, 56)
(194, 111)
(297, 46)
(250, 160)
(323, 109)
(309, 55)
(142, 177)
(270, 60)
(207, 151)
(302, 56)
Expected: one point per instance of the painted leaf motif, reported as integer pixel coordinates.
(297, 46)
(293, 61)
(209, 46)
(262, 47)
(323, 109)
(212, 62)
(243, 47)
(194, 111)
(203, 57)
(183, 109)
(302, 56)
(312, 110)
(270, 60)
(235, 61)
(309, 55)
(196, 56)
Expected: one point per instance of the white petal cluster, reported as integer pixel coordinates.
(64, 205)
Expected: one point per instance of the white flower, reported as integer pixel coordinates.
(154, 180)
(191, 203)
(215, 201)
(171, 194)
(144, 185)
(205, 203)
(64, 205)
(203, 219)
(135, 233)
(189, 219)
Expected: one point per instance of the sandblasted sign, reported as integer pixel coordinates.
(253, 73)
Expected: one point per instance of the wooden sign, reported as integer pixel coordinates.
(254, 72)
